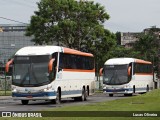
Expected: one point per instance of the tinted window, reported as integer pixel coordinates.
(115, 74)
(142, 68)
(70, 61)
(31, 70)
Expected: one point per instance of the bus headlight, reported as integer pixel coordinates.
(13, 87)
(44, 89)
(127, 86)
(14, 90)
(49, 87)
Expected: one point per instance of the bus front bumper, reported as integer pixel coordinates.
(34, 96)
(118, 90)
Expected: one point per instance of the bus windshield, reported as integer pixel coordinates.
(115, 74)
(30, 70)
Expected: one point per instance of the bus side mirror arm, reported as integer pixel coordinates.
(101, 72)
(129, 71)
(7, 65)
(50, 65)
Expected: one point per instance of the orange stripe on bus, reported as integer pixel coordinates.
(142, 61)
(143, 73)
(78, 70)
(76, 52)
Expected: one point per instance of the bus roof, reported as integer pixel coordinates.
(47, 50)
(38, 50)
(76, 52)
(121, 61)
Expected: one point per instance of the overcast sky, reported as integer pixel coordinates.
(125, 15)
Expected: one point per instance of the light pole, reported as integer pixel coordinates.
(96, 60)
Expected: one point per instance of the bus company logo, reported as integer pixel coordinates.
(113, 87)
(29, 92)
(26, 89)
(6, 114)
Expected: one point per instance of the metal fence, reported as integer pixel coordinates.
(99, 83)
(5, 85)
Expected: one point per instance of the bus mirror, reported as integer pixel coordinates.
(50, 65)
(129, 71)
(7, 65)
(101, 72)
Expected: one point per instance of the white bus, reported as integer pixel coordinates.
(127, 76)
(51, 73)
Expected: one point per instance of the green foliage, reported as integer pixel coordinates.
(68, 22)
(147, 48)
(102, 47)
(120, 51)
(75, 24)
(78, 25)
(118, 38)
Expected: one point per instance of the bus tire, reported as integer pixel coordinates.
(76, 98)
(58, 97)
(87, 91)
(25, 102)
(147, 88)
(84, 96)
(110, 95)
(130, 94)
(134, 89)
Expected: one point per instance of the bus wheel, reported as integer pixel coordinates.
(134, 89)
(58, 98)
(87, 91)
(110, 95)
(84, 96)
(147, 89)
(130, 94)
(24, 102)
(76, 98)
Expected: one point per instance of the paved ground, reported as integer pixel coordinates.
(5, 97)
(7, 104)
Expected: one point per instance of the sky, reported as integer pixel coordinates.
(125, 15)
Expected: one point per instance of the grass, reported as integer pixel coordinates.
(145, 102)
(5, 93)
(98, 91)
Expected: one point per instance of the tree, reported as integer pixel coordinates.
(118, 38)
(75, 24)
(69, 22)
(102, 47)
(147, 46)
